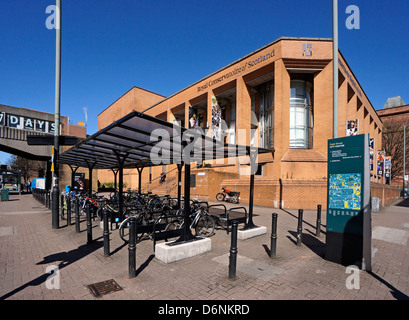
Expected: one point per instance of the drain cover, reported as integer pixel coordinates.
(104, 287)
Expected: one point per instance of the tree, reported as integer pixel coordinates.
(27, 168)
(392, 143)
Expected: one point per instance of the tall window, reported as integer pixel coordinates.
(301, 114)
(266, 114)
(232, 122)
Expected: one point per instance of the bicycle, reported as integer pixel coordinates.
(111, 206)
(203, 223)
(67, 197)
(142, 219)
(145, 216)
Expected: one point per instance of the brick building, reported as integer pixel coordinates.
(277, 97)
(394, 115)
(18, 123)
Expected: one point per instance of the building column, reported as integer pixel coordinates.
(243, 118)
(282, 115)
(187, 106)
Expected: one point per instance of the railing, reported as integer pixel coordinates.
(43, 196)
(167, 181)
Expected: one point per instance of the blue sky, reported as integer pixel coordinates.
(163, 46)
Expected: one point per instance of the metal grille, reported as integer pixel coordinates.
(105, 287)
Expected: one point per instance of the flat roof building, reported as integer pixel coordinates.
(278, 97)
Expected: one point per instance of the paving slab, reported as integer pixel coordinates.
(30, 248)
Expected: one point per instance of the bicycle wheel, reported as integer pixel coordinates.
(124, 229)
(174, 225)
(205, 226)
(99, 213)
(63, 207)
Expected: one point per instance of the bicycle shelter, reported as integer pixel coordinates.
(138, 141)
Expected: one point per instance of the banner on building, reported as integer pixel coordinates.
(352, 128)
(380, 162)
(193, 121)
(371, 152)
(216, 120)
(388, 164)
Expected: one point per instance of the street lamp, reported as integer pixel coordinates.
(404, 158)
(55, 191)
(335, 66)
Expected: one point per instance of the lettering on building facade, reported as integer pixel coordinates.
(27, 123)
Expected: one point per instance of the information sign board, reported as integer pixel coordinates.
(348, 202)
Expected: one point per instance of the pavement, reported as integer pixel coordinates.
(30, 249)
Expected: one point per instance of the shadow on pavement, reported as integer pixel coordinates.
(311, 242)
(144, 265)
(397, 294)
(304, 222)
(64, 258)
(403, 203)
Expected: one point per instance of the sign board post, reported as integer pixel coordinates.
(348, 237)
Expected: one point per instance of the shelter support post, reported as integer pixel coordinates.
(253, 168)
(90, 167)
(73, 171)
(139, 178)
(186, 234)
(180, 166)
(121, 159)
(115, 172)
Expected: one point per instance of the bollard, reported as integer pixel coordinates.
(132, 248)
(54, 205)
(62, 205)
(77, 215)
(68, 200)
(273, 247)
(233, 251)
(49, 202)
(89, 222)
(318, 227)
(299, 228)
(106, 233)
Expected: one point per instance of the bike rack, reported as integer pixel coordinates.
(227, 214)
(218, 205)
(239, 220)
(164, 235)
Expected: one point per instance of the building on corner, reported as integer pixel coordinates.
(280, 96)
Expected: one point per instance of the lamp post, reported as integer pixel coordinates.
(335, 66)
(55, 191)
(404, 159)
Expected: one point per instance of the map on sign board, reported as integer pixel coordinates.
(345, 191)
